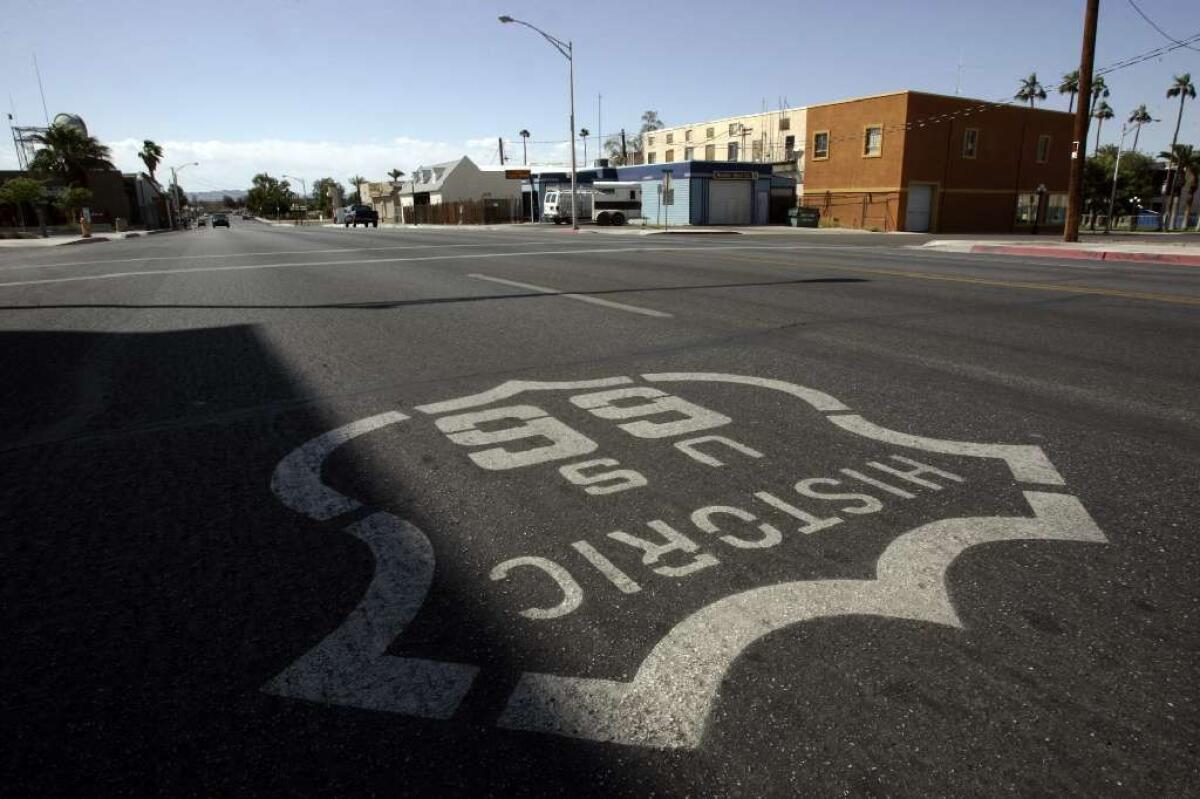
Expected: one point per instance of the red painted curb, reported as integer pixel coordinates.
(1088, 255)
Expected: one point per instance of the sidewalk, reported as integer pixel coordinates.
(58, 240)
(1184, 251)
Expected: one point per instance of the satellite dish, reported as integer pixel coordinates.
(71, 121)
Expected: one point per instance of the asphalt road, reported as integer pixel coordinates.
(328, 512)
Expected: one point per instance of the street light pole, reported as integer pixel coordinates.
(567, 50)
(175, 190)
(1112, 198)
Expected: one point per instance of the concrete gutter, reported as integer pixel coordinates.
(1184, 259)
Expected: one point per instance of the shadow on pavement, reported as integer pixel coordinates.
(153, 584)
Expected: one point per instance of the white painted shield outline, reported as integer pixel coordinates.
(668, 702)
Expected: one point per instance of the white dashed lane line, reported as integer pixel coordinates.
(620, 306)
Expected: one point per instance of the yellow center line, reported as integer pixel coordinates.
(1178, 299)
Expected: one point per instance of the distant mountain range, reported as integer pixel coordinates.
(216, 196)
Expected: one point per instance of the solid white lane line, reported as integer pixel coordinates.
(571, 296)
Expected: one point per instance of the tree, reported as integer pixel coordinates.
(1188, 160)
(68, 153)
(357, 182)
(612, 148)
(1180, 159)
(524, 134)
(1103, 111)
(583, 134)
(19, 192)
(324, 190)
(1099, 89)
(650, 123)
(1031, 90)
(1183, 88)
(1135, 179)
(73, 200)
(1138, 117)
(151, 155)
(228, 201)
(395, 174)
(1070, 85)
(269, 196)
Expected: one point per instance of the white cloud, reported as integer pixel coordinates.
(227, 164)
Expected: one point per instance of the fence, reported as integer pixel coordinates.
(469, 212)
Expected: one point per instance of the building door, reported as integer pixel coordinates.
(920, 208)
(729, 202)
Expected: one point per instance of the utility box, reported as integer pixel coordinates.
(804, 217)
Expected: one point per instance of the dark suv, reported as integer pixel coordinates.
(364, 214)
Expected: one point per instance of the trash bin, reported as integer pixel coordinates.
(804, 217)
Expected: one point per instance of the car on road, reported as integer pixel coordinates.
(202, 221)
(219, 220)
(364, 214)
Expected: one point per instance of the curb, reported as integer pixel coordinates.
(1089, 255)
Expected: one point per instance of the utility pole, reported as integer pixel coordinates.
(624, 149)
(1087, 60)
(501, 140)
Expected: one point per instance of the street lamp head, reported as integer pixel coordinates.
(506, 18)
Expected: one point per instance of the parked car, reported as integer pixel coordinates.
(364, 214)
(202, 222)
(220, 220)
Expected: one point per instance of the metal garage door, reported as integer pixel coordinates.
(920, 206)
(729, 202)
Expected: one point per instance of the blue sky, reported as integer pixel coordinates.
(335, 88)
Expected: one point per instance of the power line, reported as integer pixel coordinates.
(1150, 22)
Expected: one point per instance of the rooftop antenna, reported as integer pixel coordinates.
(41, 90)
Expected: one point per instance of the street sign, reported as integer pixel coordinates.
(517, 174)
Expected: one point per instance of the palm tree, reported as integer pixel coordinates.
(1103, 111)
(1181, 159)
(524, 134)
(1030, 90)
(583, 134)
(1070, 85)
(1188, 160)
(525, 150)
(357, 182)
(1138, 117)
(151, 155)
(69, 153)
(395, 174)
(1099, 89)
(1182, 88)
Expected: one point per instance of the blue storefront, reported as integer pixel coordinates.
(703, 192)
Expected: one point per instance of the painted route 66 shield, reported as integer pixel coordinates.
(608, 548)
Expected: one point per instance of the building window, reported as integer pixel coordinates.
(731, 151)
(1043, 149)
(789, 145)
(785, 123)
(651, 158)
(689, 153)
(1056, 208)
(709, 133)
(669, 157)
(820, 145)
(970, 142)
(710, 152)
(670, 139)
(756, 147)
(687, 135)
(734, 128)
(873, 141)
(1027, 204)
(649, 141)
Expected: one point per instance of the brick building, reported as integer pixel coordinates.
(925, 162)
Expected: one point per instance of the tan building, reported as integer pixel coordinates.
(775, 137)
(926, 162)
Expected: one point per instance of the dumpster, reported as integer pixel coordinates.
(804, 217)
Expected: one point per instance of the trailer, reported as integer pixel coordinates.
(615, 202)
